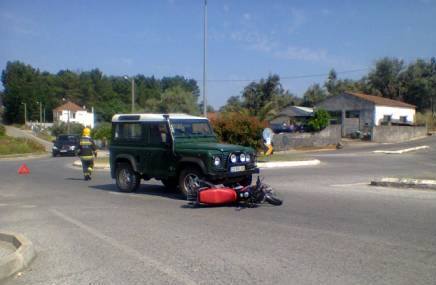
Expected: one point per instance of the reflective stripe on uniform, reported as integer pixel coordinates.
(85, 142)
(86, 157)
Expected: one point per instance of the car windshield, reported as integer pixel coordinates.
(67, 138)
(191, 128)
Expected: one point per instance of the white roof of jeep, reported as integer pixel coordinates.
(148, 117)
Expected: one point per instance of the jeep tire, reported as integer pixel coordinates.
(188, 176)
(126, 178)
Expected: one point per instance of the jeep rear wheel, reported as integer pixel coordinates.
(189, 180)
(126, 178)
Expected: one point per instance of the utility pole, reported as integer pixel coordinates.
(204, 59)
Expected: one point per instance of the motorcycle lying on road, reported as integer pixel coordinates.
(206, 193)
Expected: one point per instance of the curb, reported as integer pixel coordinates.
(19, 259)
(78, 163)
(283, 164)
(400, 151)
(405, 183)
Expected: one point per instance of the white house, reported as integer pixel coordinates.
(70, 112)
(357, 111)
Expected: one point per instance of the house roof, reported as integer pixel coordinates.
(381, 101)
(69, 106)
(296, 111)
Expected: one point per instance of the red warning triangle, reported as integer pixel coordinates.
(23, 170)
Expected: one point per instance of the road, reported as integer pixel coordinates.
(332, 229)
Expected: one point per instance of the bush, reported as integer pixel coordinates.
(10, 145)
(103, 132)
(2, 131)
(236, 128)
(319, 121)
(62, 129)
(426, 119)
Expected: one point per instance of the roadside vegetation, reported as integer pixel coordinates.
(10, 146)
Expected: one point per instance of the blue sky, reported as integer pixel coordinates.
(247, 39)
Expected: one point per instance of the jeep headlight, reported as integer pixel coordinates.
(216, 161)
(247, 158)
(233, 158)
(242, 157)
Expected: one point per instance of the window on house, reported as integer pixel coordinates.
(352, 114)
(387, 118)
(403, 119)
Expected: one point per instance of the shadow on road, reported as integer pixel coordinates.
(144, 189)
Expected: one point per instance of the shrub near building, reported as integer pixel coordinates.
(240, 129)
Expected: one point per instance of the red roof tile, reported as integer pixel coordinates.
(381, 101)
(69, 106)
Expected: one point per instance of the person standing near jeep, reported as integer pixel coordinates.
(87, 151)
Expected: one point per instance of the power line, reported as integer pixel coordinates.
(292, 76)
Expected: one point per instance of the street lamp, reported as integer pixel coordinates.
(25, 113)
(133, 91)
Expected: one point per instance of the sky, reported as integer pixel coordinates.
(247, 39)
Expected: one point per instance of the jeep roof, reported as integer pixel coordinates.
(148, 117)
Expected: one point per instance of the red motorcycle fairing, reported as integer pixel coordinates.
(217, 196)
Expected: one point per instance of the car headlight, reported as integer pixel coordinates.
(72, 147)
(242, 157)
(217, 161)
(55, 147)
(247, 158)
(233, 158)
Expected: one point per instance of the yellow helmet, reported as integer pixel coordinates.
(86, 132)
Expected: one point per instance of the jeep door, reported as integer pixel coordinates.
(128, 142)
(159, 160)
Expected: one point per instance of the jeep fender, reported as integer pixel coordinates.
(193, 160)
(127, 157)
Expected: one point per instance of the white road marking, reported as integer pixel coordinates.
(179, 276)
(400, 151)
(350, 184)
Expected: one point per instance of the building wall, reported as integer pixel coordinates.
(393, 134)
(82, 117)
(286, 141)
(395, 112)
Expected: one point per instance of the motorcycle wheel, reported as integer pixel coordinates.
(273, 200)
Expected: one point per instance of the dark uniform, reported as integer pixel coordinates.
(87, 151)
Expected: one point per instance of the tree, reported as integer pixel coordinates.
(176, 99)
(319, 121)
(314, 95)
(384, 78)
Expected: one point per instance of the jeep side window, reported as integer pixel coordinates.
(158, 134)
(128, 131)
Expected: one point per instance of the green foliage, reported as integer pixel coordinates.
(10, 145)
(263, 99)
(107, 94)
(2, 131)
(314, 95)
(102, 132)
(319, 121)
(241, 129)
(62, 129)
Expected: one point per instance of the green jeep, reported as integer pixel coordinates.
(177, 149)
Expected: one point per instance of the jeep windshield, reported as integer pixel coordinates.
(191, 128)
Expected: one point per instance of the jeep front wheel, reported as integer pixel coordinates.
(189, 180)
(126, 178)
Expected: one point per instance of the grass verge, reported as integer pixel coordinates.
(283, 157)
(10, 146)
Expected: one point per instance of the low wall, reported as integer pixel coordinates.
(392, 134)
(329, 136)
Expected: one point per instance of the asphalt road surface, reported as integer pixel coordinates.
(332, 229)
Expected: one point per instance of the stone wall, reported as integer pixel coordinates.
(286, 141)
(393, 134)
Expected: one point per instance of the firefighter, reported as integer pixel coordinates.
(87, 152)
